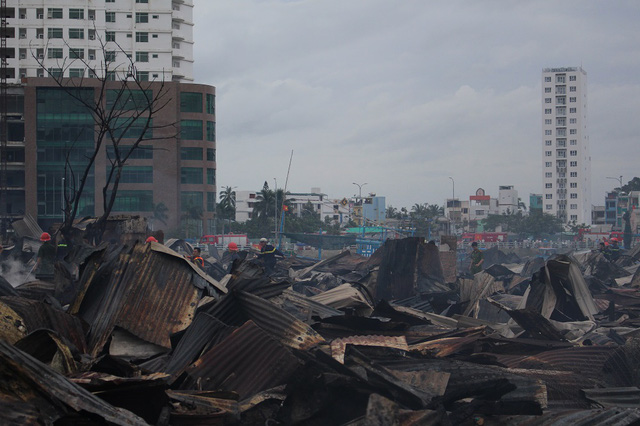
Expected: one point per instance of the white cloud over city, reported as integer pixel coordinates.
(402, 95)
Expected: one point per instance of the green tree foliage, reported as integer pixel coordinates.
(632, 185)
(226, 208)
(535, 225)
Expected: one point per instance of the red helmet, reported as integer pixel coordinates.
(45, 237)
(233, 246)
(150, 239)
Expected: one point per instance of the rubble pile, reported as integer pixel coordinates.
(143, 336)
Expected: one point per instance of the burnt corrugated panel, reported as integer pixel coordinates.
(311, 306)
(149, 293)
(609, 417)
(338, 346)
(53, 396)
(343, 296)
(37, 315)
(246, 362)
(628, 397)
(604, 364)
(279, 323)
(204, 332)
(47, 347)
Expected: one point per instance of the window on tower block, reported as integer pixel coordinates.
(76, 33)
(54, 33)
(142, 17)
(54, 13)
(142, 56)
(142, 37)
(76, 13)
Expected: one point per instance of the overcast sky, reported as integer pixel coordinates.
(403, 94)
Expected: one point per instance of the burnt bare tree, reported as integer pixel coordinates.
(121, 111)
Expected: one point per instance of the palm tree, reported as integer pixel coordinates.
(434, 210)
(228, 203)
(419, 211)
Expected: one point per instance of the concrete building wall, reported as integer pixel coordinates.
(157, 35)
(566, 158)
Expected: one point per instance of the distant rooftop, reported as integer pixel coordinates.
(564, 69)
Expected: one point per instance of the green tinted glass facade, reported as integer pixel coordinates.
(190, 199)
(63, 125)
(142, 152)
(211, 176)
(134, 174)
(133, 201)
(129, 127)
(191, 130)
(211, 154)
(188, 153)
(190, 102)
(211, 201)
(211, 131)
(128, 100)
(211, 104)
(191, 175)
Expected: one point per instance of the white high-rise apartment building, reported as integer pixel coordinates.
(156, 34)
(566, 160)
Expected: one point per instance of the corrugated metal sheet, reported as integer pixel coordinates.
(50, 393)
(12, 326)
(246, 362)
(604, 364)
(47, 347)
(338, 346)
(628, 397)
(204, 332)
(342, 296)
(149, 291)
(37, 315)
(279, 323)
(609, 417)
(310, 306)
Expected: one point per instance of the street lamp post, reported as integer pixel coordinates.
(360, 198)
(618, 179)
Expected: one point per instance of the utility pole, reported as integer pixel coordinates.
(360, 199)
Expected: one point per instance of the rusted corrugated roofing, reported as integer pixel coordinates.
(279, 323)
(338, 346)
(609, 417)
(204, 332)
(151, 293)
(310, 306)
(246, 362)
(37, 315)
(48, 395)
(604, 364)
(343, 296)
(47, 347)
(627, 397)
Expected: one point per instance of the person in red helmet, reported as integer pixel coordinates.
(46, 258)
(229, 256)
(152, 240)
